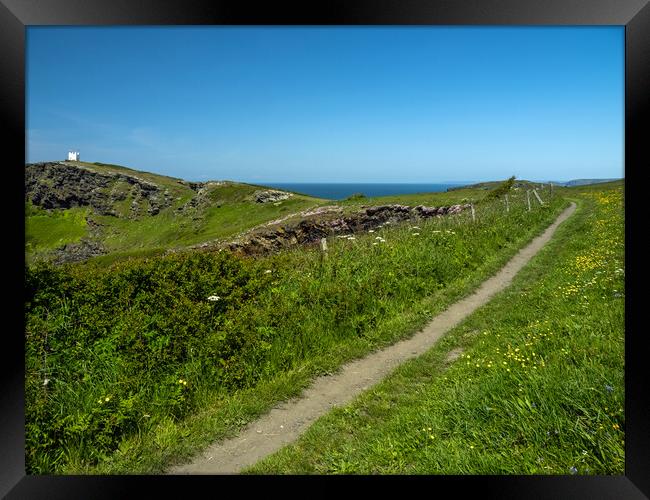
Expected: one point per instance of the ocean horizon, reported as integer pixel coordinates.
(340, 190)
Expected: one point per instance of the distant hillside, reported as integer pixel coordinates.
(486, 186)
(524, 183)
(77, 210)
(583, 182)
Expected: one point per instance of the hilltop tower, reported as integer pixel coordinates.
(73, 155)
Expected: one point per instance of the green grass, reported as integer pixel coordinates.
(538, 389)
(168, 230)
(132, 331)
(48, 230)
(455, 196)
(228, 209)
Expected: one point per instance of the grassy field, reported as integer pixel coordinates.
(134, 366)
(46, 231)
(532, 383)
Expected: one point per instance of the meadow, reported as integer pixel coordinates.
(137, 364)
(532, 383)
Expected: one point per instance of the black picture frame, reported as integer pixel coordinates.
(16, 15)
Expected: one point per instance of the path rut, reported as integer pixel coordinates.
(285, 422)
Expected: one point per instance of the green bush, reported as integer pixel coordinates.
(501, 190)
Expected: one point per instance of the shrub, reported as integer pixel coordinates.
(501, 190)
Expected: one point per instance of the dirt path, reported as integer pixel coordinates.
(284, 423)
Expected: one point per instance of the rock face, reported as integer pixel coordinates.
(201, 199)
(311, 231)
(77, 252)
(270, 195)
(57, 185)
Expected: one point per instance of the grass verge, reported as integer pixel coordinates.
(537, 386)
(132, 368)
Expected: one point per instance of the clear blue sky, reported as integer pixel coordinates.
(331, 104)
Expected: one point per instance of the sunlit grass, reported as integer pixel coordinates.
(538, 388)
(131, 331)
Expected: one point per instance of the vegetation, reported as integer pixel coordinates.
(143, 362)
(502, 189)
(46, 230)
(222, 209)
(537, 387)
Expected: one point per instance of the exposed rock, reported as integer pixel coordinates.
(311, 230)
(53, 185)
(270, 195)
(77, 252)
(202, 198)
(321, 210)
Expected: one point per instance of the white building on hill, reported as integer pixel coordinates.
(73, 155)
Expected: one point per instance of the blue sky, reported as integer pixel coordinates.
(331, 104)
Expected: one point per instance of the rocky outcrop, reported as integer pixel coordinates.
(58, 185)
(270, 195)
(312, 230)
(77, 252)
(201, 200)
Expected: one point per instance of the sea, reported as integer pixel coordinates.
(340, 191)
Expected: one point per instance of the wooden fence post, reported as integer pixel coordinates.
(473, 213)
(323, 255)
(537, 196)
(528, 198)
(507, 205)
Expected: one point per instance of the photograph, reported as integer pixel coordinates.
(324, 250)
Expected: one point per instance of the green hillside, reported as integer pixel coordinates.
(124, 222)
(134, 366)
(102, 213)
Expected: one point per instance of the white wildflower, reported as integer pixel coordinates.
(371, 230)
(46, 381)
(267, 271)
(416, 234)
(213, 298)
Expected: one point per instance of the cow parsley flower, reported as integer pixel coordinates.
(213, 298)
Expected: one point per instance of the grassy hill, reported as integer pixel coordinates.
(139, 364)
(102, 213)
(126, 212)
